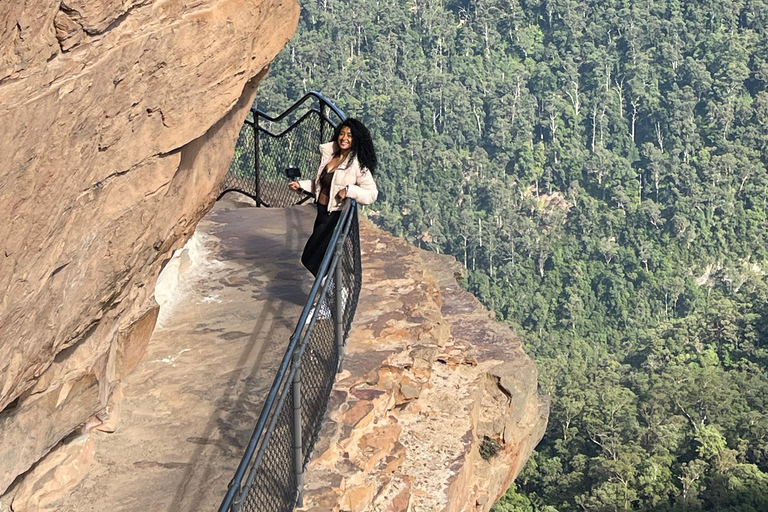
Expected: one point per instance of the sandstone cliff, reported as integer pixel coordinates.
(119, 119)
(437, 408)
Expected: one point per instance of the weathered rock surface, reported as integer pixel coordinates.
(429, 375)
(119, 121)
(56, 476)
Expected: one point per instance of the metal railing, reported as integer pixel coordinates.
(270, 475)
(262, 156)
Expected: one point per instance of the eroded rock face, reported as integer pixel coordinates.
(119, 120)
(56, 476)
(429, 375)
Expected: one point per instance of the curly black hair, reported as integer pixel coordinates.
(362, 143)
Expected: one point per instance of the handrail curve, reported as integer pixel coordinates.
(311, 94)
(262, 155)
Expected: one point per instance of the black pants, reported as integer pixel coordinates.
(318, 241)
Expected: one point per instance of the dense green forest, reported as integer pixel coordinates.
(599, 166)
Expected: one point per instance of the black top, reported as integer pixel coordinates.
(325, 185)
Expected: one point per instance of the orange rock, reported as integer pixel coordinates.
(138, 133)
(110, 417)
(400, 501)
(376, 446)
(358, 498)
(360, 411)
(389, 377)
(56, 476)
(395, 458)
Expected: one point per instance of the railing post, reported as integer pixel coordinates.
(256, 152)
(340, 300)
(298, 451)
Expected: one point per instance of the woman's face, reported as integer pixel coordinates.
(345, 139)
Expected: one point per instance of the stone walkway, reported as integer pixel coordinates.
(229, 306)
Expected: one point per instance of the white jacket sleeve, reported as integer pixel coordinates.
(364, 191)
(308, 185)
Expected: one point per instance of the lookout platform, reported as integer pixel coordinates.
(229, 304)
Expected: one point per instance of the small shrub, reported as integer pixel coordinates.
(489, 448)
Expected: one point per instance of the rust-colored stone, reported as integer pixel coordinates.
(395, 458)
(400, 501)
(131, 343)
(357, 498)
(447, 375)
(40, 421)
(109, 418)
(358, 411)
(56, 476)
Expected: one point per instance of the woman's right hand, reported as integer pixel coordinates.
(294, 185)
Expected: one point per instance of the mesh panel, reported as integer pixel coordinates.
(321, 357)
(318, 370)
(241, 176)
(274, 486)
(295, 148)
(352, 272)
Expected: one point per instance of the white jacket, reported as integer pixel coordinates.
(359, 182)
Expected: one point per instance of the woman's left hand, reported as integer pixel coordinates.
(342, 194)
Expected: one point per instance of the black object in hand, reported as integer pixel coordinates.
(293, 173)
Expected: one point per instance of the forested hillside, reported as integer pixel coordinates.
(600, 168)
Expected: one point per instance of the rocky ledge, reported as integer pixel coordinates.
(437, 408)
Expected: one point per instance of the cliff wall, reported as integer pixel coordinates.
(119, 119)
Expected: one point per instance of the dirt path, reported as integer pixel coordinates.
(192, 402)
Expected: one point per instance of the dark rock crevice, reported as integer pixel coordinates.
(69, 31)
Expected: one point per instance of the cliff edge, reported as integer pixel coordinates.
(437, 408)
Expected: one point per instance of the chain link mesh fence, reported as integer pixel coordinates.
(258, 168)
(269, 478)
(296, 148)
(274, 483)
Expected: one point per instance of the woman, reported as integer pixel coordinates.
(347, 164)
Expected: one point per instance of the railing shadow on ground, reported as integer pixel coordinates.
(245, 389)
(269, 477)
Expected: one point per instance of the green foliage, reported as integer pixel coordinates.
(600, 169)
(489, 448)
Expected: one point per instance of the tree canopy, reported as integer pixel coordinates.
(599, 166)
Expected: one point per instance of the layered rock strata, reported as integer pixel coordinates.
(119, 121)
(437, 408)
